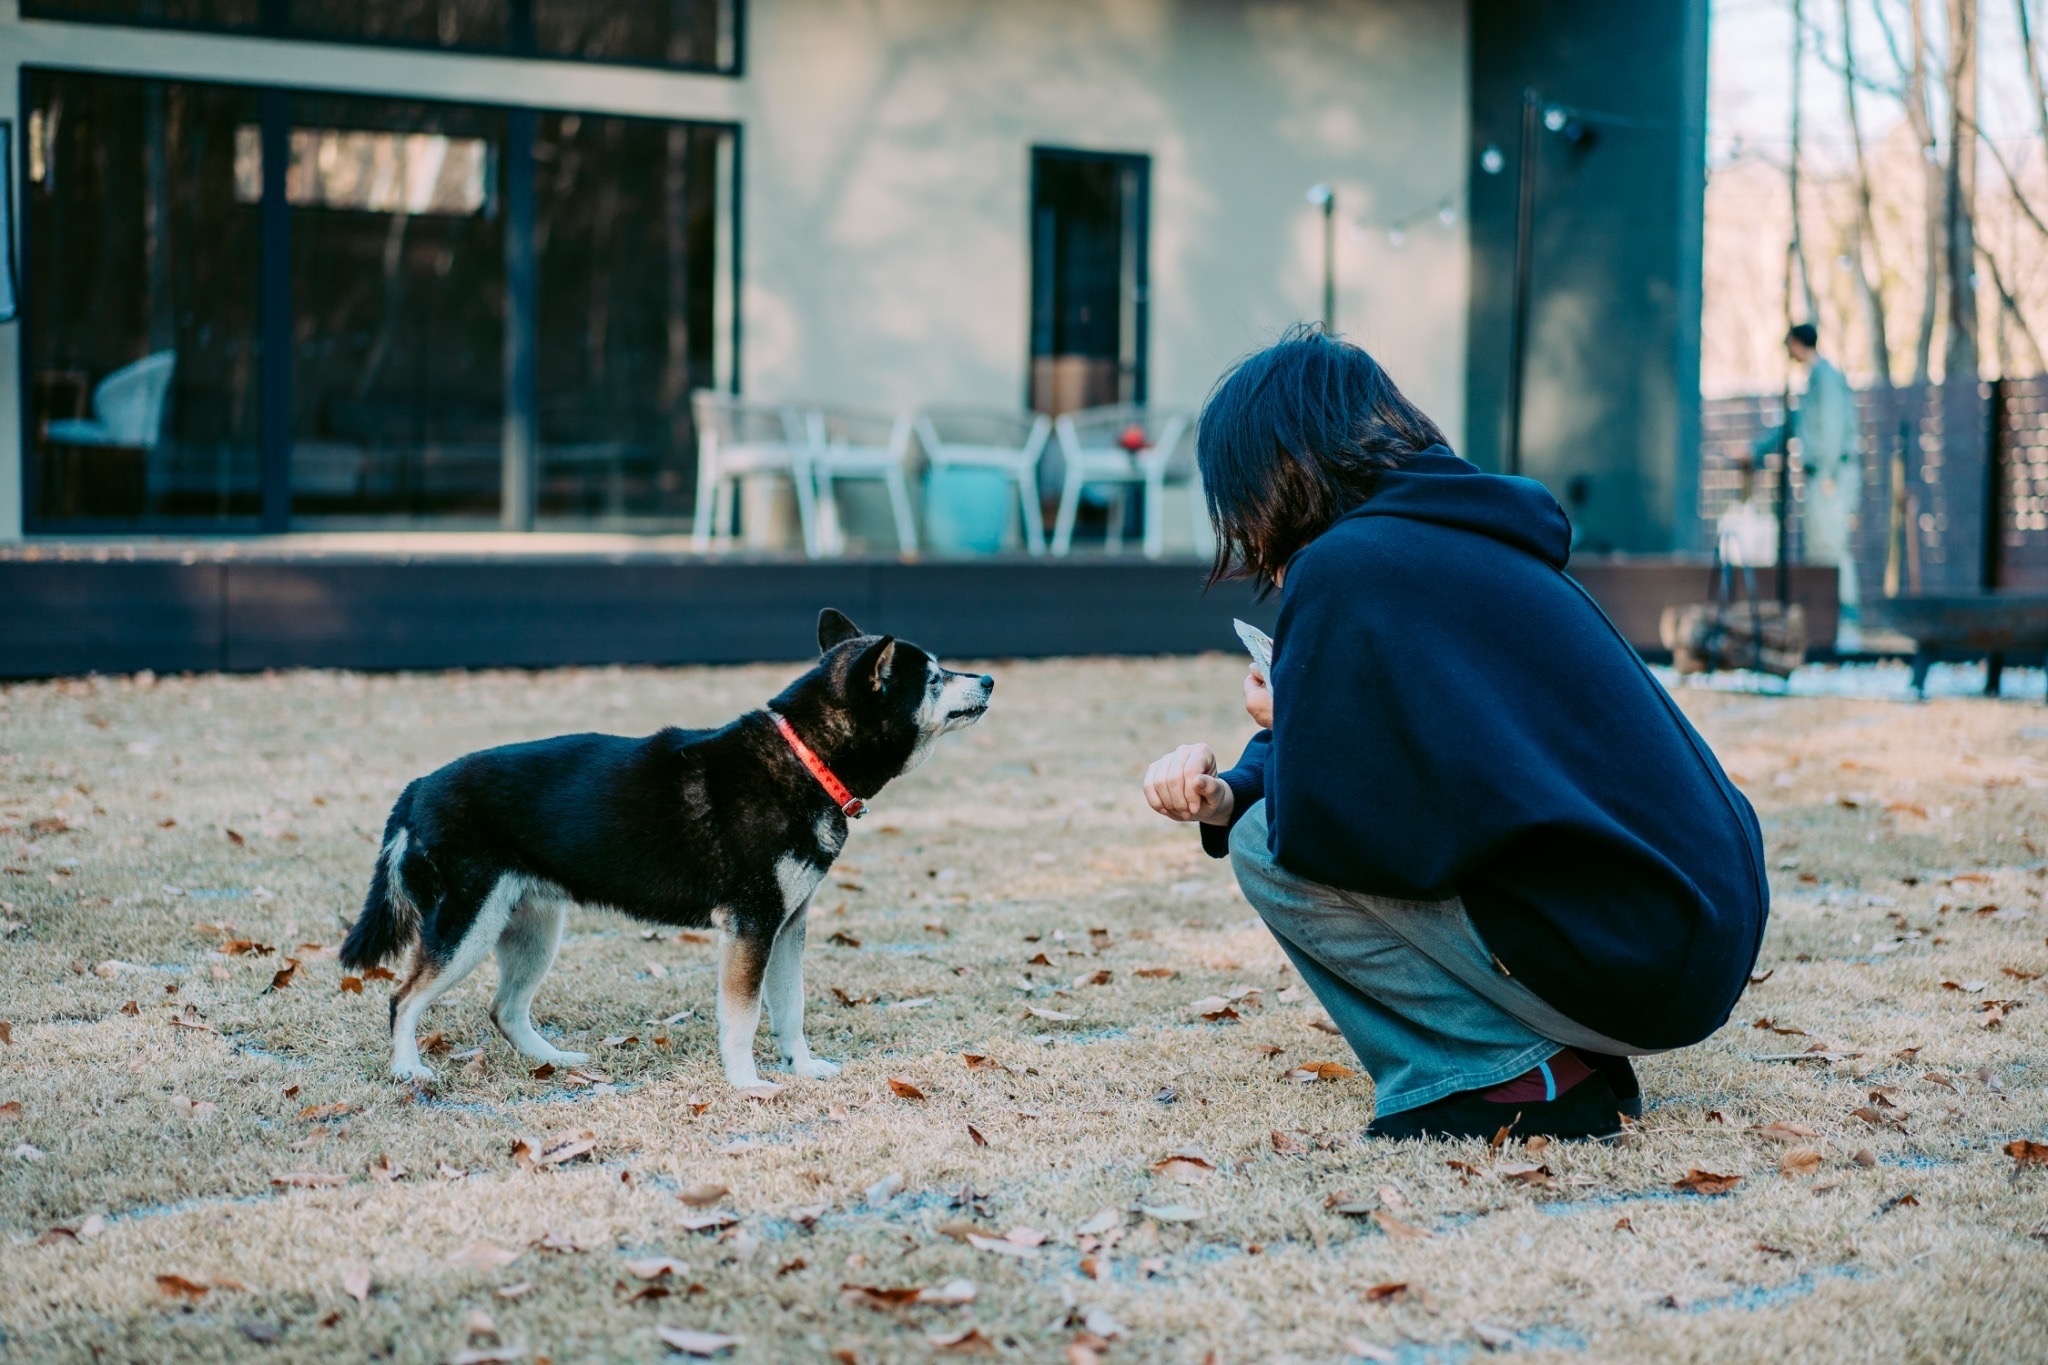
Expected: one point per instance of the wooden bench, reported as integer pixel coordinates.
(1994, 624)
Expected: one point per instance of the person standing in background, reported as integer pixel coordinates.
(1825, 424)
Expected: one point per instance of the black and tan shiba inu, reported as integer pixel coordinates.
(733, 827)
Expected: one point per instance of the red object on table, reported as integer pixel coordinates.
(1132, 439)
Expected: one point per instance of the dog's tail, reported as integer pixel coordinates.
(391, 917)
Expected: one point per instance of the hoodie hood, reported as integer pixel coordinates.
(1438, 487)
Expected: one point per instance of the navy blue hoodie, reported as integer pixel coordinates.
(1454, 716)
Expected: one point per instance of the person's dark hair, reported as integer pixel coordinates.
(1292, 438)
(1805, 333)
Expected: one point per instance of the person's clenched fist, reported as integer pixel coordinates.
(1183, 786)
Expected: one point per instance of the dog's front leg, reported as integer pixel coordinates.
(743, 957)
(784, 988)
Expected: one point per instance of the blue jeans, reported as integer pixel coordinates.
(1410, 984)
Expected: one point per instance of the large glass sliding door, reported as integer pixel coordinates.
(397, 311)
(490, 316)
(143, 390)
(626, 217)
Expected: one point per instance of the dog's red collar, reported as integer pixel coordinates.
(851, 806)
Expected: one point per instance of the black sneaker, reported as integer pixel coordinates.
(1589, 1109)
(1621, 1078)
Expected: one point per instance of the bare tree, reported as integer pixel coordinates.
(1912, 64)
(1863, 234)
(1959, 198)
(1797, 247)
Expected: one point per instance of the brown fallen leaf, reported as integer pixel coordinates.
(840, 994)
(1697, 1181)
(974, 1136)
(654, 1267)
(1287, 1144)
(352, 985)
(1524, 1173)
(1397, 1229)
(235, 838)
(1154, 973)
(1758, 978)
(199, 1111)
(380, 974)
(283, 976)
(314, 1113)
(384, 1168)
(706, 1222)
(1787, 1133)
(2025, 1153)
(7, 1032)
(1310, 1072)
(306, 1180)
(1388, 1292)
(1870, 1116)
(978, 1062)
(1864, 1157)
(180, 1286)
(966, 1341)
(131, 1009)
(1189, 1168)
(701, 1196)
(905, 1088)
(561, 1243)
(1799, 1161)
(1099, 977)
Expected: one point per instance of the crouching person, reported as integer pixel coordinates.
(1485, 835)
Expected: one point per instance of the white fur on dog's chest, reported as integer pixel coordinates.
(798, 878)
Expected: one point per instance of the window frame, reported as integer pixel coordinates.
(271, 28)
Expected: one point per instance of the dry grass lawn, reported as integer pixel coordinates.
(239, 1180)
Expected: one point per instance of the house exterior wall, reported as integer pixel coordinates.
(885, 163)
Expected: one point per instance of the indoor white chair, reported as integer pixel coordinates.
(127, 407)
(738, 438)
(1012, 443)
(845, 443)
(1124, 446)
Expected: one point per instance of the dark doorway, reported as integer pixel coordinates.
(1089, 221)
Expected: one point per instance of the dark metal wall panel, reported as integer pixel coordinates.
(78, 617)
(71, 617)
(529, 614)
(1072, 608)
(1612, 376)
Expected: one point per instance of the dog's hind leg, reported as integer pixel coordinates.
(439, 967)
(782, 987)
(526, 949)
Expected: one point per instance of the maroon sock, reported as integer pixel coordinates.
(1544, 1081)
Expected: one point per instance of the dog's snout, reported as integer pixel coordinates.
(988, 684)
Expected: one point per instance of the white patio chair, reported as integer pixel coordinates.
(845, 443)
(1007, 441)
(127, 407)
(1125, 446)
(737, 437)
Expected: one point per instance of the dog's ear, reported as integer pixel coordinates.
(873, 665)
(834, 627)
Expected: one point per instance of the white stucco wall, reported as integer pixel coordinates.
(886, 164)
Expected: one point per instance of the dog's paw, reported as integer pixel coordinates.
(415, 1073)
(815, 1069)
(559, 1058)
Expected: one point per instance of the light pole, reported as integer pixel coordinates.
(1325, 199)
